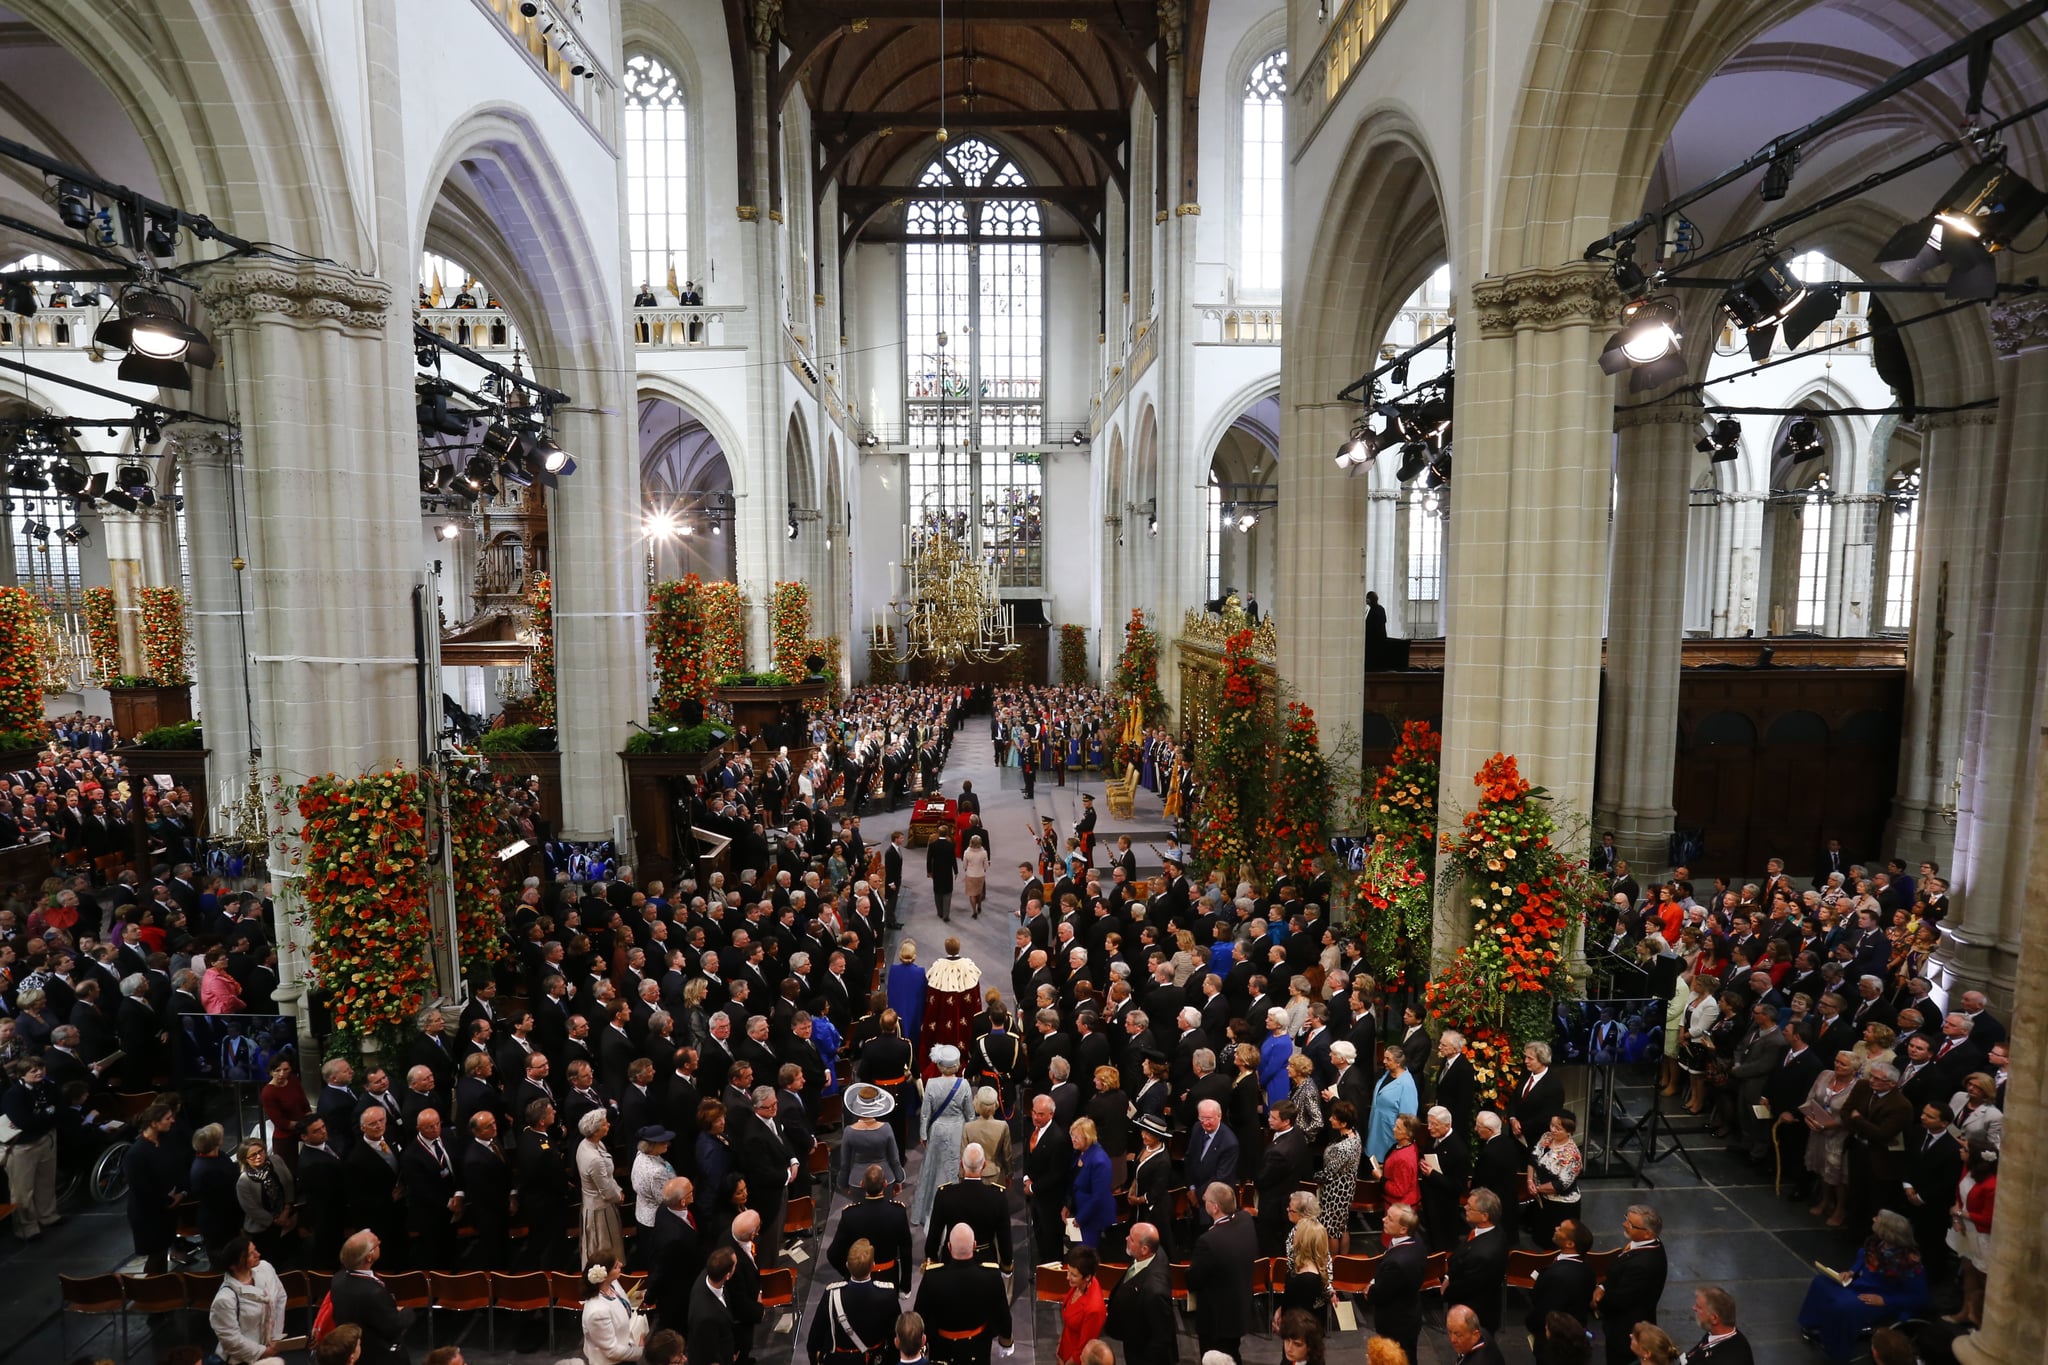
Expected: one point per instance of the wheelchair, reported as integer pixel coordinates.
(90, 1168)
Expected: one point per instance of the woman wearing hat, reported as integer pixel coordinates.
(651, 1171)
(993, 1135)
(868, 1141)
(945, 1121)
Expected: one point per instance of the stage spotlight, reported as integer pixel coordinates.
(793, 527)
(1360, 451)
(1724, 442)
(448, 530)
(1802, 440)
(159, 342)
(870, 440)
(74, 205)
(554, 459)
(1080, 437)
(1647, 342)
(1439, 473)
(27, 474)
(74, 534)
(1762, 299)
(122, 499)
(1818, 307)
(661, 525)
(1980, 215)
(529, 8)
(1414, 459)
(161, 237)
(69, 479)
(18, 296)
(36, 530)
(1247, 520)
(1152, 524)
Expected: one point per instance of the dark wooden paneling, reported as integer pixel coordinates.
(1028, 664)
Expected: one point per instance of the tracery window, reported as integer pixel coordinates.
(1816, 521)
(657, 176)
(1902, 547)
(1261, 190)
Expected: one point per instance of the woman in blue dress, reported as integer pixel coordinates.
(1096, 757)
(946, 1112)
(1392, 1096)
(1887, 1283)
(1075, 753)
(906, 992)
(1148, 767)
(1091, 1201)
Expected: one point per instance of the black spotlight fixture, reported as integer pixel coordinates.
(69, 478)
(1439, 475)
(1152, 524)
(1629, 276)
(432, 411)
(74, 534)
(1723, 443)
(529, 8)
(553, 459)
(1359, 450)
(27, 474)
(18, 296)
(1802, 440)
(74, 205)
(1080, 437)
(1647, 343)
(1806, 317)
(1414, 459)
(1980, 215)
(159, 342)
(794, 527)
(36, 530)
(161, 237)
(1762, 299)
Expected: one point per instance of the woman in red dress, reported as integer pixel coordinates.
(285, 1107)
(1083, 1311)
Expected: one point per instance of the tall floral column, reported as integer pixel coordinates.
(22, 637)
(1136, 685)
(790, 618)
(1232, 766)
(1394, 897)
(540, 600)
(676, 637)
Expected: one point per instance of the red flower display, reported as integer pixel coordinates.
(540, 600)
(677, 633)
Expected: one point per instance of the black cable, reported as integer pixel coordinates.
(170, 414)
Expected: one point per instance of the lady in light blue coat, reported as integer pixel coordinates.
(1393, 1096)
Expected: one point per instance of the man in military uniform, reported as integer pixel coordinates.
(857, 1317)
(879, 1223)
(541, 1184)
(979, 1205)
(963, 1304)
(999, 1059)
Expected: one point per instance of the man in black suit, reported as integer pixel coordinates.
(360, 1300)
(1539, 1096)
(338, 1102)
(674, 1254)
(1415, 1048)
(1934, 1167)
(712, 1332)
(1443, 1189)
(981, 1206)
(1213, 1154)
(375, 1187)
(1564, 1286)
(1396, 1290)
(487, 1181)
(320, 1187)
(1285, 1164)
(883, 1224)
(1455, 1086)
(1220, 1272)
(433, 1199)
(892, 877)
(1141, 1305)
(1470, 1345)
(1030, 889)
(1048, 1166)
(1498, 1166)
(1786, 1091)
(1830, 861)
(1634, 1283)
(1722, 1343)
(1479, 1264)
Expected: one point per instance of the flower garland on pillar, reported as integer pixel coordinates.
(1395, 895)
(1527, 901)
(164, 644)
(1232, 765)
(1298, 827)
(789, 618)
(103, 634)
(365, 858)
(21, 667)
(1073, 656)
(479, 878)
(1137, 682)
(540, 601)
(725, 628)
(676, 632)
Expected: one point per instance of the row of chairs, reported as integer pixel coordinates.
(536, 1291)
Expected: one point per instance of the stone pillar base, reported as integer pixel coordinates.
(1642, 835)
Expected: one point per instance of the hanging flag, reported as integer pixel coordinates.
(674, 292)
(434, 297)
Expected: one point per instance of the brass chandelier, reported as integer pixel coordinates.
(949, 613)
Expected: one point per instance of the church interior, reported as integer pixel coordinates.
(1638, 388)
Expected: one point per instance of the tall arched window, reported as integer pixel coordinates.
(974, 314)
(1260, 225)
(657, 183)
(1816, 522)
(1902, 547)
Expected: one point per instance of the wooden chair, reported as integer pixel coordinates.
(821, 1160)
(800, 1218)
(129, 1103)
(778, 1290)
(1435, 1270)
(1599, 1261)
(161, 1294)
(1049, 1283)
(198, 1289)
(565, 1294)
(1523, 1265)
(1107, 1273)
(831, 1113)
(527, 1293)
(467, 1292)
(92, 1296)
(1248, 1199)
(1178, 1271)
(298, 1293)
(410, 1289)
(1352, 1274)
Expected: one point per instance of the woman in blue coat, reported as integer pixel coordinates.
(1392, 1096)
(1888, 1282)
(1092, 1200)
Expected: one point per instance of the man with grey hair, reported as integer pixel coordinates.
(1219, 1276)
(1479, 1264)
(1538, 1096)
(1396, 1290)
(1634, 1282)
(1443, 1181)
(1349, 1083)
(1498, 1166)
(763, 1155)
(973, 1203)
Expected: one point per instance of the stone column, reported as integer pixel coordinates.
(121, 535)
(1182, 551)
(207, 457)
(1995, 809)
(1526, 581)
(759, 520)
(1319, 608)
(319, 372)
(1957, 486)
(2011, 1334)
(1646, 628)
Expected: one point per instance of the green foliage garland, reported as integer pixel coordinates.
(1073, 656)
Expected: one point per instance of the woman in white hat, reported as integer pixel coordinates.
(988, 1129)
(868, 1141)
(945, 1121)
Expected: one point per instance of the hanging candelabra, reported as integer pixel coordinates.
(950, 612)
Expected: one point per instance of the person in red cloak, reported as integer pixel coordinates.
(952, 997)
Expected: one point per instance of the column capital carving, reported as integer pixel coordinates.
(306, 292)
(1667, 413)
(1949, 421)
(2020, 325)
(1171, 22)
(201, 444)
(763, 18)
(1582, 293)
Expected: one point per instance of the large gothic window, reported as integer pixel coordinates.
(657, 183)
(974, 316)
(1902, 547)
(1260, 224)
(1816, 522)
